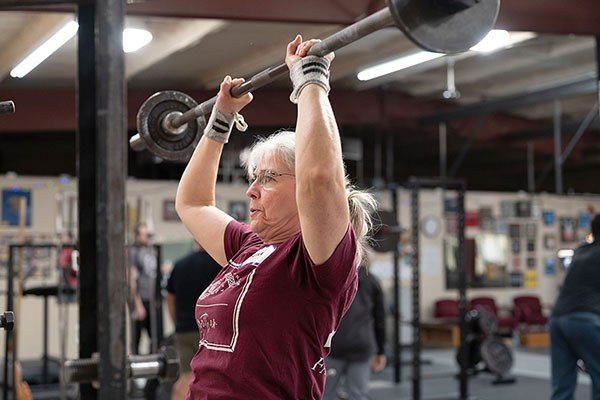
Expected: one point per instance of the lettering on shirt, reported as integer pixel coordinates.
(319, 366)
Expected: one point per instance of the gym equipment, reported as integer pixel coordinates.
(164, 365)
(157, 133)
(7, 107)
(415, 184)
(484, 345)
(444, 26)
(7, 321)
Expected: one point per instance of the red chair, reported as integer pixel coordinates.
(488, 304)
(528, 311)
(446, 308)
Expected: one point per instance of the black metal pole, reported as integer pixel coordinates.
(111, 169)
(397, 299)
(415, 287)
(462, 294)
(9, 334)
(86, 171)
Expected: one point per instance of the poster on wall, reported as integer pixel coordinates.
(523, 208)
(10, 206)
(568, 230)
(516, 246)
(238, 210)
(472, 219)
(549, 241)
(584, 220)
(530, 262)
(531, 278)
(516, 279)
(516, 263)
(169, 213)
(548, 217)
(486, 219)
(550, 265)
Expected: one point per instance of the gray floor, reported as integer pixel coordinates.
(532, 370)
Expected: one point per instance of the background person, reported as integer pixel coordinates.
(357, 347)
(188, 279)
(575, 321)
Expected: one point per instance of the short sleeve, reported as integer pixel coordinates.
(336, 273)
(236, 235)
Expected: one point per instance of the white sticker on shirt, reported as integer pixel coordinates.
(255, 259)
(329, 338)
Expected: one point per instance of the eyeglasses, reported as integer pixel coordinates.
(266, 178)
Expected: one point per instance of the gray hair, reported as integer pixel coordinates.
(362, 204)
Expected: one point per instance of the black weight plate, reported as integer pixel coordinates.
(163, 144)
(496, 355)
(386, 232)
(434, 27)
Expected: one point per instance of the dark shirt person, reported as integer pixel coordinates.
(190, 276)
(357, 347)
(575, 321)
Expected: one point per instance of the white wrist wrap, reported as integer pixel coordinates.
(220, 125)
(310, 69)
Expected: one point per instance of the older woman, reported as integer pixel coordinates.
(267, 319)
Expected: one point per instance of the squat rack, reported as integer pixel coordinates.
(415, 184)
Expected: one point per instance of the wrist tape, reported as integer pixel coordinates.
(220, 125)
(310, 69)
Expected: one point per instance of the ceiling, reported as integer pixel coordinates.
(396, 116)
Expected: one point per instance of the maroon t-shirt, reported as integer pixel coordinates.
(267, 319)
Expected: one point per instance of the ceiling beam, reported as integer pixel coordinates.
(489, 66)
(583, 85)
(40, 28)
(180, 36)
(553, 16)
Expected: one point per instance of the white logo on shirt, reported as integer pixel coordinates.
(320, 366)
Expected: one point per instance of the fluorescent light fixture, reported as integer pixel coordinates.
(135, 39)
(496, 39)
(564, 253)
(397, 65)
(45, 50)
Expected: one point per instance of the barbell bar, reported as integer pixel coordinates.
(7, 107)
(443, 26)
(163, 365)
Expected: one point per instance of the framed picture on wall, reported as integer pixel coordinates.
(507, 209)
(10, 206)
(530, 245)
(530, 262)
(516, 246)
(548, 217)
(238, 210)
(516, 279)
(530, 231)
(169, 212)
(523, 208)
(549, 241)
(568, 230)
(514, 231)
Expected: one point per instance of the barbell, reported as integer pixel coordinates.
(171, 123)
(7, 107)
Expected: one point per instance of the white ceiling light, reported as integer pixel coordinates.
(135, 39)
(494, 40)
(396, 65)
(45, 50)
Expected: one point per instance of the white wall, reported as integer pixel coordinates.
(153, 193)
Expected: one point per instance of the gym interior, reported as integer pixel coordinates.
(474, 124)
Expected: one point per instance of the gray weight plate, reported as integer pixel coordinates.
(164, 144)
(434, 26)
(496, 355)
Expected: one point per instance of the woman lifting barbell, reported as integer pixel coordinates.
(268, 317)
